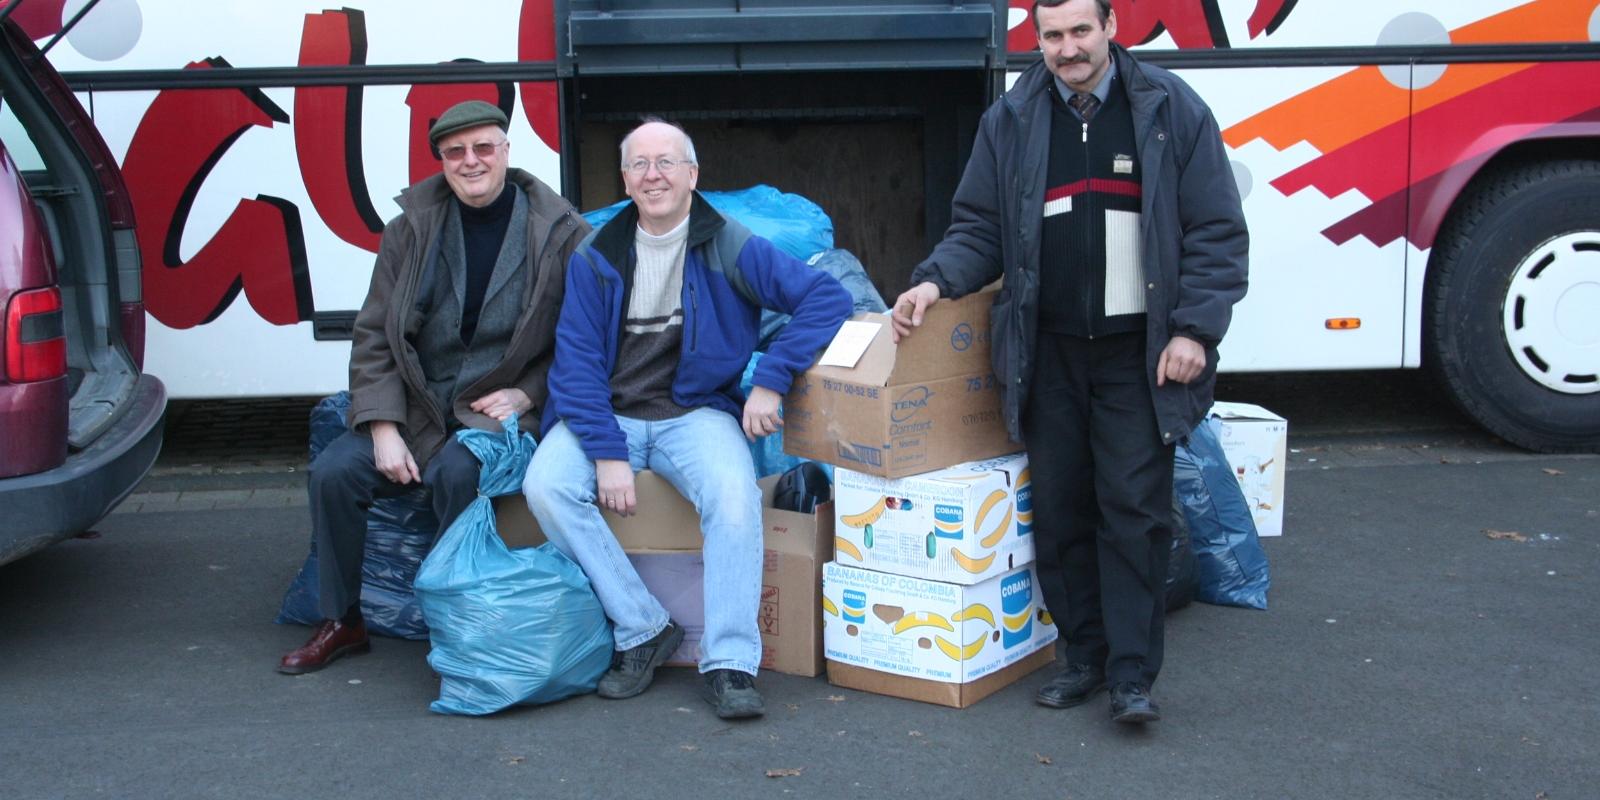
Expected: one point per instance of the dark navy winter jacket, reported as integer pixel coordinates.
(721, 324)
(1194, 242)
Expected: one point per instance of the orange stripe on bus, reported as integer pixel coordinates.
(1362, 101)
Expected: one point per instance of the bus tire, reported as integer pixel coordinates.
(1512, 315)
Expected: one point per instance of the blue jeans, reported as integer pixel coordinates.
(704, 454)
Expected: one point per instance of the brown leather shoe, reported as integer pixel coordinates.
(331, 640)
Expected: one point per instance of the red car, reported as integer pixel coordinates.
(79, 424)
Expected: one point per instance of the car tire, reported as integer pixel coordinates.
(1512, 315)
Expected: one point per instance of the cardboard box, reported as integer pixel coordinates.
(667, 521)
(932, 632)
(923, 404)
(664, 542)
(955, 695)
(1256, 442)
(963, 524)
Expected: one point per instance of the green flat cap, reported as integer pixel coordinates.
(464, 115)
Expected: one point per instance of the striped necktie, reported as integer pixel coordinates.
(1085, 104)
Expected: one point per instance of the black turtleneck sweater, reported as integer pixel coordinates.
(483, 230)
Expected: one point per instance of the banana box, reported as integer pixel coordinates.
(963, 524)
(923, 639)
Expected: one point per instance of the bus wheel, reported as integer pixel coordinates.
(1512, 322)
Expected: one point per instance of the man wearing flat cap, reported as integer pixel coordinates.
(457, 331)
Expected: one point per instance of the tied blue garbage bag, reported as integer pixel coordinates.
(796, 225)
(1231, 564)
(509, 627)
(400, 530)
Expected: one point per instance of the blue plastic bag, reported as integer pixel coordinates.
(509, 627)
(767, 451)
(796, 225)
(843, 265)
(399, 532)
(1232, 566)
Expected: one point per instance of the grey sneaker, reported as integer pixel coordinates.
(733, 693)
(635, 667)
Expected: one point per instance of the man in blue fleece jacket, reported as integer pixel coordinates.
(662, 312)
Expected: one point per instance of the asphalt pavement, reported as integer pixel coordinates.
(1430, 635)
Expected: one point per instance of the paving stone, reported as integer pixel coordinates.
(277, 498)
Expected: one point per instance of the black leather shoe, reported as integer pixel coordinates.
(635, 667)
(1130, 703)
(333, 639)
(1071, 687)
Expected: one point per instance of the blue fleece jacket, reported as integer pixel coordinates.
(720, 326)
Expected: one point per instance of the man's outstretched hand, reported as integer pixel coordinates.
(909, 307)
(761, 413)
(613, 480)
(502, 403)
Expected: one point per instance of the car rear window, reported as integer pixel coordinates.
(18, 143)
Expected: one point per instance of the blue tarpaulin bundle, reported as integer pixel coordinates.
(843, 265)
(509, 627)
(796, 225)
(1232, 565)
(399, 532)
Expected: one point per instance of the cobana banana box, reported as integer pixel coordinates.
(962, 524)
(932, 634)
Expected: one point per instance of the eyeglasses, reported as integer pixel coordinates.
(664, 165)
(459, 151)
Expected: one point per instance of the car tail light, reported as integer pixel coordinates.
(36, 344)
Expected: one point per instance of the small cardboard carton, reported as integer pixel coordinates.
(928, 640)
(663, 543)
(962, 524)
(665, 520)
(1256, 442)
(922, 404)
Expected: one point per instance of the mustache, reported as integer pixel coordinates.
(1078, 59)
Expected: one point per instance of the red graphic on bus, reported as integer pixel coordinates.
(40, 18)
(1410, 153)
(327, 129)
(259, 250)
(536, 41)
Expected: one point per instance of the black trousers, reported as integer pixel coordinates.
(344, 481)
(1102, 496)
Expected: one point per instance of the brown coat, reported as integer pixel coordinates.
(386, 380)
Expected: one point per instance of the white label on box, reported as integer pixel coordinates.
(849, 343)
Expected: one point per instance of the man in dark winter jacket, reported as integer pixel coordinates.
(662, 313)
(457, 330)
(1099, 188)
